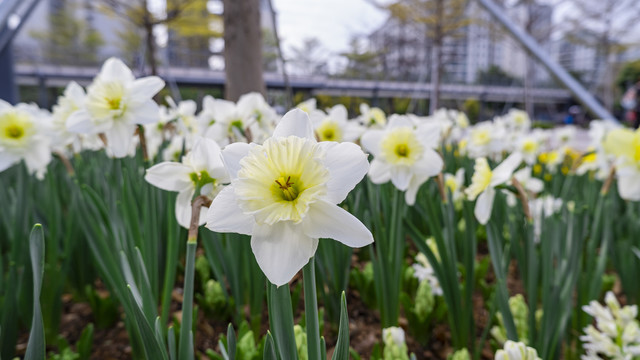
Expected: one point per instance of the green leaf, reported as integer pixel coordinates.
(341, 351)
(152, 348)
(36, 347)
(186, 346)
(281, 321)
(311, 310)
(323, 348)
(171, 339)
(231, 342)
(85, 343)
(269, 348)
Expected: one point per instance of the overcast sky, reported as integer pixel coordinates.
(333, 22)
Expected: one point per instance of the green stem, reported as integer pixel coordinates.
(187, 301)
(311, 310)
(281, 320)
(392, 261)
(171, 265)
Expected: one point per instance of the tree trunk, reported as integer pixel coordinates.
(436, 59)
(150, 40)
(242, 48)
(151, 49)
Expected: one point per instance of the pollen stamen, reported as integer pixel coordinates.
(288, 192)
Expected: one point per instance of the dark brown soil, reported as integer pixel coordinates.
(364, 326)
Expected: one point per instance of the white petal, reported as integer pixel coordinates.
(4, 105)
(379, 172)
(115, 70)
(248, 103)
(429, 165)
(145, 88)
(231, 156)
(170, 176)
(224, 214)
(183, 209)
(400, 177)
(147, 112)
(338, 113)
(119, 138)
(217, 132)
(7, 159)
(281, 250)
(396, 120)
(224, 110)
(629, 186)
(352, 131)
(414, 186)
(208, 103)
(326, 220)
(206, 155)
(372, 140)
(503, 172)
(429, 134)
(295, 122)
(484, 205)
(75, 92)
(80, 122)
(38, 157)
(347, 165)
(534, 185)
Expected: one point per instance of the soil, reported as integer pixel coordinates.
(364, 326)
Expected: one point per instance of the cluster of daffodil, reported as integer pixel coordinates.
(276, 186)
(617, 331)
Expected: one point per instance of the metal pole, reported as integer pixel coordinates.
(8, 91)
(285, 76)
(535, 50)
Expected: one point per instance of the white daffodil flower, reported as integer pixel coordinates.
(423, 271)
(486, 139)
(155, 136)
(173, 151)
(518, 120)
(372, 116)
(256, 108)
(336, 126)
(564, 135)
(201, 168)
(284, 194)
(228, 124)
(403, 155)
(307, 106)
(71, 101)
(22, 137)
(529, 146)
(116, 101)
(531, 184)
(625, 145)
(596, 161)
(184, 114)
(541, 208)
(455, 183)
(484, 181)
(516, 351)
(616, 334)
(231, 122)
(598, 130)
